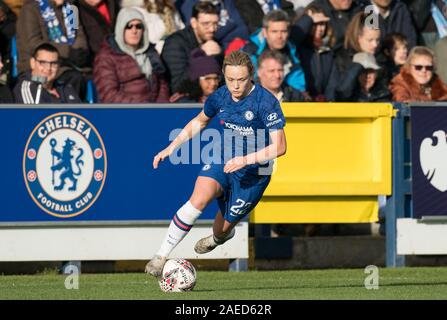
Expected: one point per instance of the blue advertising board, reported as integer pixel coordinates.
(94, 163)
(429, 160)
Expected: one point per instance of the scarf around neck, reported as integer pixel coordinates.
(53, 25)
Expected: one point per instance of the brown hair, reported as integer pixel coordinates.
(329, 35)
(204, 7)
(238, 58)
(355, 29)
(391, 40)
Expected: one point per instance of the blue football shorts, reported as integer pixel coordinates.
(241, 192)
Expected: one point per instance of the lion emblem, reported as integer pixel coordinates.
(65, 163)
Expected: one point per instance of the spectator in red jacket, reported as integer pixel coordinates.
(127, 68)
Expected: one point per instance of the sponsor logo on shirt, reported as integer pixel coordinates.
(245, 131)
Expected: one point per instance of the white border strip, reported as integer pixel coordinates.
(110, 243)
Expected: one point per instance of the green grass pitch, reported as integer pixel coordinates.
(404, 283)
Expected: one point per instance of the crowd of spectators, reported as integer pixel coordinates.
(166, 51)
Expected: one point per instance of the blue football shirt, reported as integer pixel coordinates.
(246, 123)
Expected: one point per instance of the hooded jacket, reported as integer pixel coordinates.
(295, 77)
(122, 75)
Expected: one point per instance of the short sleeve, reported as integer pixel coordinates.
(272, 115)
(211, 106)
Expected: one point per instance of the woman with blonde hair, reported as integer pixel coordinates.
(417, 80)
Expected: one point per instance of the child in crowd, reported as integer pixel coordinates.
(395, 50)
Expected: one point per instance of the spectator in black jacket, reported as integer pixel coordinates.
(253, 11)
(5, 92)
(366, 86)
(231, 25)
(7, 31)
(7, 27)
(39, 85)
(314, 36)
(421, 11)
(200, 34)
(395, 51)
(271, 76)
(360, 37)
(340, 13)
(394, 16)
(98, 18)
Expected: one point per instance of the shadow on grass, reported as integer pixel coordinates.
(381, 285)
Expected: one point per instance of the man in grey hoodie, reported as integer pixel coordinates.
(127, 68)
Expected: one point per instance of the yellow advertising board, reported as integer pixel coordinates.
(338, 161)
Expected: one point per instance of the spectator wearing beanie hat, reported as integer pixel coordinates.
(204, 76)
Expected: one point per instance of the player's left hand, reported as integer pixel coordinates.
(235, 164)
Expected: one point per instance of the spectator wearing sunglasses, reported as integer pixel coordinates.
(127, 68)
(40, 85)
(417, 80)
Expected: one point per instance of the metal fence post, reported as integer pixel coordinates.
(395, 207)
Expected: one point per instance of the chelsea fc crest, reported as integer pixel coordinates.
(249, 115)
(64, 165)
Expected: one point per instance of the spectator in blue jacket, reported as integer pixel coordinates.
(230, 25)
(271, 77)
(274, 35)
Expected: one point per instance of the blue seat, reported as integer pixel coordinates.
(92, 95)
(14, 58)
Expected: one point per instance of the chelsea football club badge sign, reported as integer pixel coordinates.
(64, 165)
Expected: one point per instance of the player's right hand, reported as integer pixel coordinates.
(161, 156)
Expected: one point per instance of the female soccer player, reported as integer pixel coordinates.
(249, 115)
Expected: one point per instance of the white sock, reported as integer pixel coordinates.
(180, 225)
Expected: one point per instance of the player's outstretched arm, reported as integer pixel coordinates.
(189, 131)
(276, 149)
